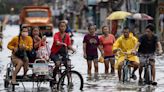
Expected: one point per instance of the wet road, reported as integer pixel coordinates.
(103, 84)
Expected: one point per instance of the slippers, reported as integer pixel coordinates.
(154, 83)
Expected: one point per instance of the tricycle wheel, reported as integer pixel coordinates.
(6, 83)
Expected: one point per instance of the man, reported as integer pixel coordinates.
(126, 43)
(148, 43)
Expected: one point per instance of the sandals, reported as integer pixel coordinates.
(133, 76)
(154, 83)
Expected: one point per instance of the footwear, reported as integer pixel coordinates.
(89, 78)
(14, 83)
(140, 82)
(154, 83)
(133, 76)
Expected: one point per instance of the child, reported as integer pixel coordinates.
(90, 45)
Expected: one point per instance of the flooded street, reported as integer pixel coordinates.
(102, 84)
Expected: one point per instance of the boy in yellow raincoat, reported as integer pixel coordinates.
(126, 43)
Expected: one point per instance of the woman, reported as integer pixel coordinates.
(90, 45)
(107, 40)
(39, 41)
(61, 42)
(21, 43)
(36, 36)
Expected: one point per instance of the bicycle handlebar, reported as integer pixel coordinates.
(125, 53)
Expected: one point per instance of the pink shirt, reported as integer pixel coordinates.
(107, 43)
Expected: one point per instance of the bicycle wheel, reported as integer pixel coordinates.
(125, 72)
(7, 78)
(70, 80)
(147, 75)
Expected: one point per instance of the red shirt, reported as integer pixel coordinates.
(107, 43)
(57, 37)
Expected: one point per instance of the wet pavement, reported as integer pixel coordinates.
(102, 84)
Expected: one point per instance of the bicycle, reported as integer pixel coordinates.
(126, 68)
(148, 69)
(67, 79)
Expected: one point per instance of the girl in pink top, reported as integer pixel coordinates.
(107, 40)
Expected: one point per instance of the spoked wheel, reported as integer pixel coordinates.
(7, 78)
(125, 74)
(147, 75)
(6, 83)
(70, 81)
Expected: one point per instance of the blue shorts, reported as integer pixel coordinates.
(92, 57)
(142, 58)
(109, 57)
(57, 57)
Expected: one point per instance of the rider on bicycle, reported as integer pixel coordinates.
(61, 42)
(126, 43)
(148, 43)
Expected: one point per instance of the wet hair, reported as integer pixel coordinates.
(90, 25)
(125, 28)
(62, 21)
(102, 28)
(151, 27)
(21, 29)
(32, 29)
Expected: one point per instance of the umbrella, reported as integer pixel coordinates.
(118, 15)
(140, 16)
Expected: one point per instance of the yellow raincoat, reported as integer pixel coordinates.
(14, 43)
(126, 45)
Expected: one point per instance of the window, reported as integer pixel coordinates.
(37, 14)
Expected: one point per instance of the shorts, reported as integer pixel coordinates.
(142, 58)
(59, 57)
(109, 57)
(92, 57)
(15, 60)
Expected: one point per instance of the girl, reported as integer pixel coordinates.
(21, 43)
(90, 45)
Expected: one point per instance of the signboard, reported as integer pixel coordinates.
(40, 69)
